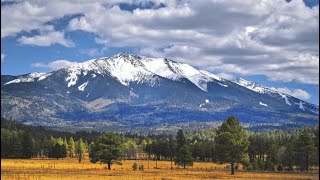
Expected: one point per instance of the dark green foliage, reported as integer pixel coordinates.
(172, 146)
(184, 157)
(268, 165)
(148, 149)
(245, 161)
(230, 143)
(135, 166)
(270, 150)
(288, 157)
(38, 132)
(58, 151)
(305, 151)
(280, 168)
(27, 145)
(181, 139)
(183, 152)
(106, 149)
(11, 144)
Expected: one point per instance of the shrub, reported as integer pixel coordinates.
(249, 168)
(141, 168)
(135, 166)
(255, 165)
(280, 168)
(268, 165)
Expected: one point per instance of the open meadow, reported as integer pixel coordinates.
(70, 169)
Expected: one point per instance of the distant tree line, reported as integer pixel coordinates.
(268, 151)
(20, 144)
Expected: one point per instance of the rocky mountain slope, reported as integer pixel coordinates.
(126, 92)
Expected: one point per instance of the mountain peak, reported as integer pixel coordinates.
(127, 55)
(241, 80)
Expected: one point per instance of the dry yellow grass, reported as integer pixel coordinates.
(71, 169)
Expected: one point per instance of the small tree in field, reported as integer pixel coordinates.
(80, 149)
(106, 149)
(184, 157)
(172, 149)
(230, 142)
(71, 147)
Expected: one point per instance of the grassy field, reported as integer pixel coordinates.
(71, 169)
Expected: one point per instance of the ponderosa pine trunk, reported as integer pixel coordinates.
(232, 168)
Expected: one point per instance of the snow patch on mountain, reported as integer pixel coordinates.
(206, 102)
(76, 70)
(301, 105)
(175, 71)
(44, 76)
(32, 77)
(127, 68)
(285, 98)
(253, 86)
(161, 67)
(263, 104)
(13, 81)
(222, 85)
(83, 86)
(210, 75)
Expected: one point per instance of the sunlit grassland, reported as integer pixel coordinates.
(70, 169)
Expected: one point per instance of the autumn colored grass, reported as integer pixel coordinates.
(70, 169)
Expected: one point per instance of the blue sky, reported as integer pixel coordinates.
(274, 43)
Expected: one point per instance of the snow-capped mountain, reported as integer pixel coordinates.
(288, 99)
(127, 90)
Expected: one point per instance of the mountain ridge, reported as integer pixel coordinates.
(129, 87)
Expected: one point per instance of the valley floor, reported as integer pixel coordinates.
(68, 168)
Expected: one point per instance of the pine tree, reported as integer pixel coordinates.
(71, 147)
(181, 139)
(230, 143)
(27, 145)
(305, 151)
(172, 149)
(106, 149)
(80, 149)
(184, 157)
(65, 143)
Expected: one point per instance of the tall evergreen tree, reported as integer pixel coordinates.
(288, 157)
(305, 151)
(184, 157)
(80, 149)
(230, 143)
(181, 139)
(27, 145)
(172, 149)
(71, 147)
(106, 149)
(65, 143)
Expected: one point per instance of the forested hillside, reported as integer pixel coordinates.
(270, 150)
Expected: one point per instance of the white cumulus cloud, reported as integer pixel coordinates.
(46, 39)
(54, 65)
(298, 93)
